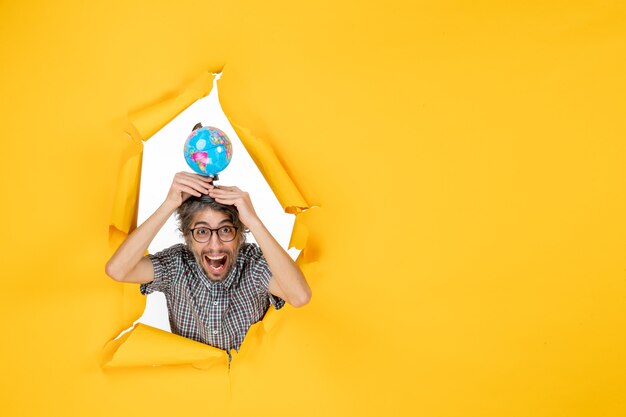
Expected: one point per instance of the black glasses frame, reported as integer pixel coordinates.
(193, 235)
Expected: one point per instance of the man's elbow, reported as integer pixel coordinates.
(302, 299)
(114, 273)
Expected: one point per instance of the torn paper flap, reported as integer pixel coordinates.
(126, 199)
(149, 346)
(148, 121)
(273, 171)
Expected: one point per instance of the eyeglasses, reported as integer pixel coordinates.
(224, 234)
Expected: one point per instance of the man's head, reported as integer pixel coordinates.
(213, 232)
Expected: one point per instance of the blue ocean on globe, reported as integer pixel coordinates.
(208, 151)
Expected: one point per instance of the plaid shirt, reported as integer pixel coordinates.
(216, 313)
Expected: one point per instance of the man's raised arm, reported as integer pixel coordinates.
(287, 280)
(128, 263)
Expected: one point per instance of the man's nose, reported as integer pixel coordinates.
(214, 240)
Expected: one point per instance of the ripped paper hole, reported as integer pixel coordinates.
(148, 346)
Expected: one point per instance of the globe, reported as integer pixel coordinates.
(208, 151)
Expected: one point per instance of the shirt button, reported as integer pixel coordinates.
(214, 303)
(215, 332)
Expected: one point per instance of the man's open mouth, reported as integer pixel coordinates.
(216, 263)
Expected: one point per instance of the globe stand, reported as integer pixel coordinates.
(205, 198)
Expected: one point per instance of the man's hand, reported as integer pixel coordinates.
(185, 185)
(233, 196)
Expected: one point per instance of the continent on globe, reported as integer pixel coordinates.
(201, 159)
(208, 151)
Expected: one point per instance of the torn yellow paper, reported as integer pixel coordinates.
(148, 346)
(273, 170)
(124, 213)
(149, 120)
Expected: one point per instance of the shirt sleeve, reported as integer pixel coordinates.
(166, 265)
(261, 275)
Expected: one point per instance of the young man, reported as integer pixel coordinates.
(216, 285)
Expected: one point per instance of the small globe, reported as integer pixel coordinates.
(208, 151)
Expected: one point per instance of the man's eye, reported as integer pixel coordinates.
(202, 232)
(226, 229)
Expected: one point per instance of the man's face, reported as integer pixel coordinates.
(215, 257)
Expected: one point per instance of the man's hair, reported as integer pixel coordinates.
(193, 205)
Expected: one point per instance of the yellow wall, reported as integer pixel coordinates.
(467, 158)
